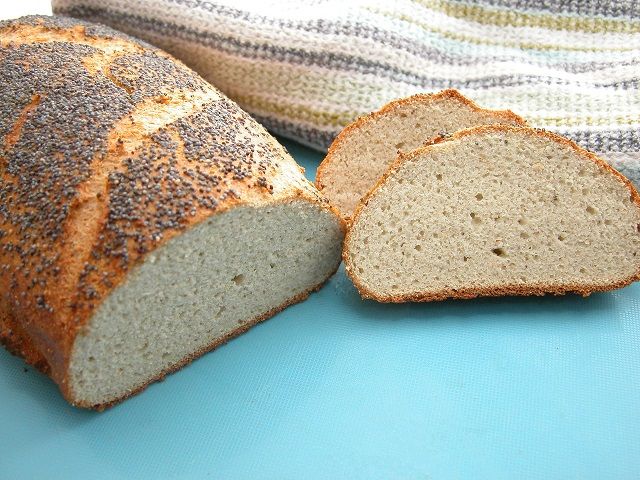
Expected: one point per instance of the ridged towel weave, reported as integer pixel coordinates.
(307, 68)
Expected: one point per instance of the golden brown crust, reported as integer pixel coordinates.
(498, 290)
(126, 152)
(420, 98)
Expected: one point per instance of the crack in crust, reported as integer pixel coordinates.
(14, 134)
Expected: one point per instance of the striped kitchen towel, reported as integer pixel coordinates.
(306, 68)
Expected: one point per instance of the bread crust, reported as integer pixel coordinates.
(109, 148)
(389, 108)
(497, 290)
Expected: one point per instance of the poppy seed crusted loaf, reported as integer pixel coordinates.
(363, 151)
(144, 217)
(495, 210)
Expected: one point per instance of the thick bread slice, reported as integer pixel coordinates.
(495, 210)
(144, 217)
(363, 151)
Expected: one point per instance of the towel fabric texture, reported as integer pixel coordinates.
(307, 68)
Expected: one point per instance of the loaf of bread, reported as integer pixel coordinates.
(495, 210)
(144, 217)
(363, 151)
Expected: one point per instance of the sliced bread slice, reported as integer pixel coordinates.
(495, 210)
(363, 151)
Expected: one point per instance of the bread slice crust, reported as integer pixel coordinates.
(323, 172)
(497, 290)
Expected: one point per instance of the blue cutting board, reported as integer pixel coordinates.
(337, 387)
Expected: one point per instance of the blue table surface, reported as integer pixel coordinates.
(337, 387)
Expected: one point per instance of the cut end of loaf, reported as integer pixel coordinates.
(197, 291)
(364, 150)
(495, 210)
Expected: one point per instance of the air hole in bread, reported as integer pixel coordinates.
(400, 145)
(479, 196)
(500, 252)
(591, 210)
(238, 279)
